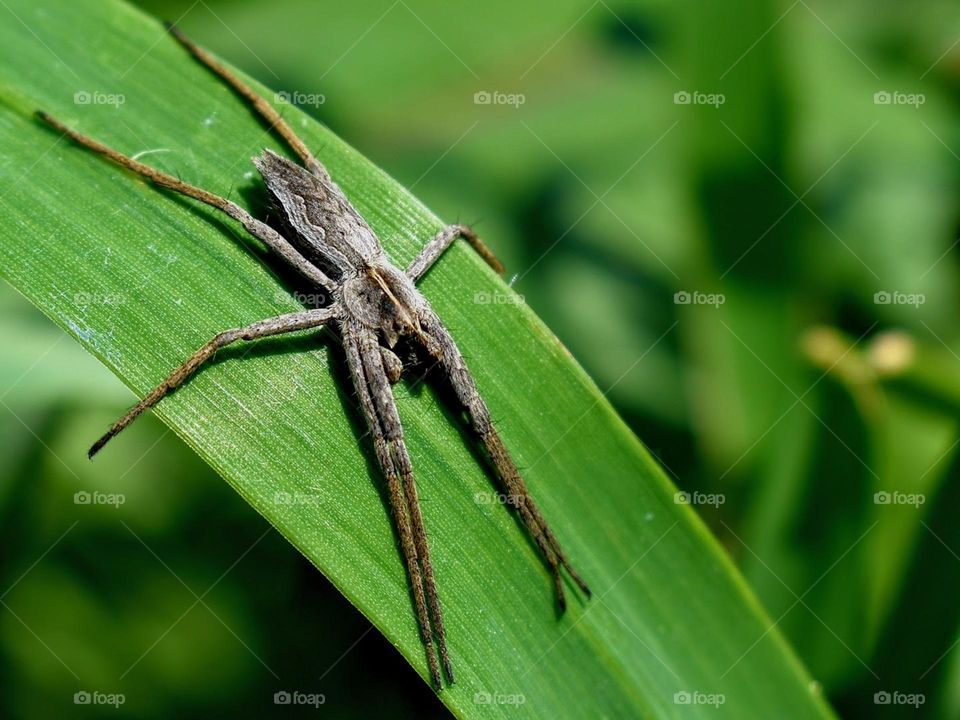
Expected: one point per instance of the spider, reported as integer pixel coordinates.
(373, 305)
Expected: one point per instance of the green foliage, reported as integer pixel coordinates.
(141, 278)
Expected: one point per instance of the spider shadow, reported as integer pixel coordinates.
(322, 339)
(257, 200)
(328, 340)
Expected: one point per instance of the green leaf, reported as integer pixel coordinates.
(141, 278)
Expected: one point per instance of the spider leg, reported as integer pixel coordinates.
(373, 389)
(280, 324)
(258, 229)
(448, 355)
(402, 459)
(432, 251)
(265, 109)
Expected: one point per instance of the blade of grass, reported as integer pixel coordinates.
(141, 278)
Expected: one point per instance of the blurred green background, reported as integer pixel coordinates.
(741, 218)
